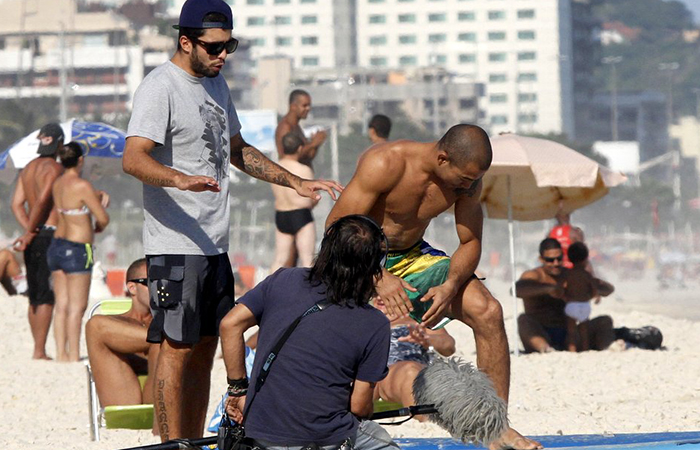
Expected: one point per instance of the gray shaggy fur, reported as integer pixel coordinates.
(467, 404)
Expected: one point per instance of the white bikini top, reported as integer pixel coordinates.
(76, 211)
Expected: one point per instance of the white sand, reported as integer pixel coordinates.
(44, 404)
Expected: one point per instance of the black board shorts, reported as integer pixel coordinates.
(38, 274)
(189, 295)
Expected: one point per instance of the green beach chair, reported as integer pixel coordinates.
(132, 417)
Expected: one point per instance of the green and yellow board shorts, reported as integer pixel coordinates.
(423, 267)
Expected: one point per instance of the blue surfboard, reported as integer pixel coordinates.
(639, 441)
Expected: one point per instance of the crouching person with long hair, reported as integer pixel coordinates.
(319, 384)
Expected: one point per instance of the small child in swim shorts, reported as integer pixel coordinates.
(579, 288)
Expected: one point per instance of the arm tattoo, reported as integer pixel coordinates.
(155, 181)
(257, 165)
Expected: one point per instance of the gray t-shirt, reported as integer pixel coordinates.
(191, 120)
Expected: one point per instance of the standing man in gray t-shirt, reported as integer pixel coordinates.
(182, 135)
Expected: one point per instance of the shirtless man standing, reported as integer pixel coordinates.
(293, 218)
(403, 185)
(299, 107)
(39, 221)
(542, 326)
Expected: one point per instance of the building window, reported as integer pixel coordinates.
(257, 42)
(497, 35)
(283, 20)
(463, 16)
(527, 56)
(527, 77)
(309, 61)
(440, 59)
(255, 21)
(308, 1)
(437, 37)
(465, 58)
(437, 17)
(407, 18)
(498, 98)
(405, 1)
(377, 61)
(527, 118)
(466, 103)
(377, 18)
(466, 37)
(283, 41)
(282, 2)
(377, 40)
(408, 61)
(306, 20)
(254, 2)
(526, 35)
(499, 120)
(497, 77)
(309, 40)
(497, 15)
(497, 57)
(375, 1)
(527, 97)
(407, 39)
(526, 14)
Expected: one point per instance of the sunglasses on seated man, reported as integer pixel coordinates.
(215, 48)
(551, 260)
(143, 281)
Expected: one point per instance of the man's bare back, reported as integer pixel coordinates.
(286, 199)
(36, 177)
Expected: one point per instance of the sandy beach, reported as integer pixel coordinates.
(44, 404)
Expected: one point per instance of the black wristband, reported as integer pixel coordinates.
(235, 392)
(241, 383)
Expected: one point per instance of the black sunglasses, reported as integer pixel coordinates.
(551, 260)
(215, 48)
(143, 281)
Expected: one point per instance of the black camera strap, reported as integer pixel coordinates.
(272, 356)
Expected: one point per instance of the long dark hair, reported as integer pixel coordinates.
(350, 260)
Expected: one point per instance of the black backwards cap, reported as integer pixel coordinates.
(193, 12)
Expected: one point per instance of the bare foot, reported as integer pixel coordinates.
(512, 439)
(42, 356)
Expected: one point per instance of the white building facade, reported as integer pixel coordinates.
(519, 49)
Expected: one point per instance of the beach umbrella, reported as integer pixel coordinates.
(531, 179)
(103, 144)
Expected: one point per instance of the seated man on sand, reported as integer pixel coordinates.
(411, 349)
(542, 326)
(117, 346)
(9, 270)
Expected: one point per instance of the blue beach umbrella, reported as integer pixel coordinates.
(103, 145)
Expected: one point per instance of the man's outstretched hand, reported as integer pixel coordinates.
(308, 188)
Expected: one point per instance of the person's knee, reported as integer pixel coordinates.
(485, 310)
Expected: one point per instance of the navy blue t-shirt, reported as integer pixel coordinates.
(306, 397)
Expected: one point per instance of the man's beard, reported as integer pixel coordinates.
(199, 68)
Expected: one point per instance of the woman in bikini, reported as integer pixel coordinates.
(70, 254)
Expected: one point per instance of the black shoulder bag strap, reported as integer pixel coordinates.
(272, 356)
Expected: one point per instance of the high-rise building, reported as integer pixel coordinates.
(521, 51)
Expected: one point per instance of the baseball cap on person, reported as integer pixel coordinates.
(193, 12)
(50, 135)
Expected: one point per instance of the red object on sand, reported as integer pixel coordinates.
(116, 280)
